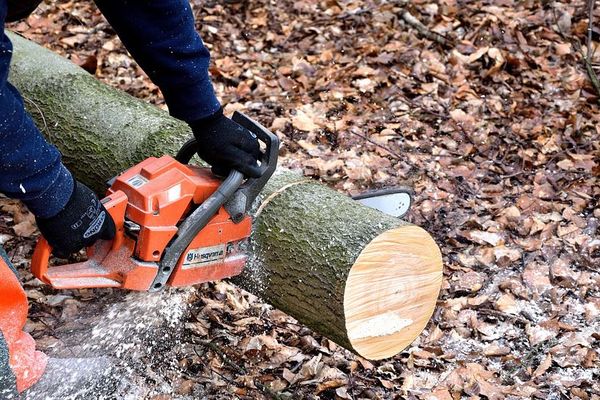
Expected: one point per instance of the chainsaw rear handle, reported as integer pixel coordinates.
(241, 201)
(85, 274)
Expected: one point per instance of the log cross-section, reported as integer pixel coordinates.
(391, 291)
(364, 279)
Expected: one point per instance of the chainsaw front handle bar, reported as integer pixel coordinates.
(241, 201)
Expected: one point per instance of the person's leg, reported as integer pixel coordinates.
(17, 348)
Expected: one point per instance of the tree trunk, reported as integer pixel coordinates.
(366, 280)
(99, 130)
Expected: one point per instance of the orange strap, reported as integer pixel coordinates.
(27, 364)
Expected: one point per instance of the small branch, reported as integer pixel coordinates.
(587, 58)
(200, 359)
(211, 345)
(423, 30)
(590, 28)
(392, 152)
(592, 75)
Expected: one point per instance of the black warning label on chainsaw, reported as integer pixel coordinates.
(204, 256)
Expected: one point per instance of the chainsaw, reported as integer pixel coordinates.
(176, 224)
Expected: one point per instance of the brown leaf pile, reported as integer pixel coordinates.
(498, 132)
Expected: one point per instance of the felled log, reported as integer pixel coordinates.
(366, 280)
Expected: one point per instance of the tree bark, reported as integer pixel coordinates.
(99, 130)
(366, 280)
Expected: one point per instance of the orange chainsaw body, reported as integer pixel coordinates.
(147, 203)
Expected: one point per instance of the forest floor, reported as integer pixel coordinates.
(488, 112)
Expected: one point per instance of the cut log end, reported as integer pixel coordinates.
(391, 291)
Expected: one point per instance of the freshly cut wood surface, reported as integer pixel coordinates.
(391, 291)
(308, 239)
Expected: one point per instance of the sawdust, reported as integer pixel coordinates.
(130, 324)
(114, 357)
(380, 325)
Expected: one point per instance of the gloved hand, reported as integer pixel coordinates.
(225, 145)
(81, 223)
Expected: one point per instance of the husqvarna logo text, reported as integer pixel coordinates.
(204, 256)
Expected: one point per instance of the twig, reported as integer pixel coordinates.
(225, 378)
(423, 30)
(587, 59)
(410, 20)
(222, 355)
(592, 75)
(392, 152)
(590, 28)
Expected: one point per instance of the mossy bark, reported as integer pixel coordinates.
(99, 130)
(306, 236)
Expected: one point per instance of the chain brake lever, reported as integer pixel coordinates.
(241, 201)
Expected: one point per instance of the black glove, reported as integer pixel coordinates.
(81, 223)
(225, 145)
